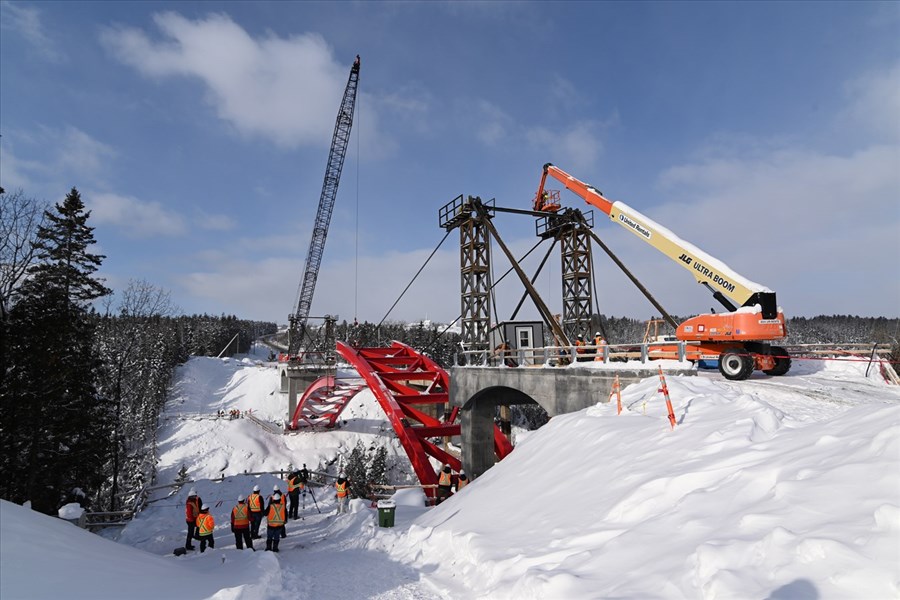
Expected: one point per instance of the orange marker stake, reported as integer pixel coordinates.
(618, 392)
(665, 390)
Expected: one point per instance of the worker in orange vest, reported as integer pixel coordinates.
(255, 504)
(580, 349)
(342, 489)
(462, 481)
(205, 526)
(601, 346)
(445, 484)
(191, 512)
(240, 524)
(282, 500)
(294, 487)
(275, 517)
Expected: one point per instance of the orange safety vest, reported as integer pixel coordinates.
(445, 479)
(341, 489)
(206, 524)
(294, 483)
(461, 483)
(192, 508)
(255, 502)
(275, 518)
(239, 516)
(580, 346)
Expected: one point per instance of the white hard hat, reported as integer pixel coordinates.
(275, 488)
(241, 498)
(204, 507)
(276, 496)
(192, 492)
(598, 334)
(255, 488)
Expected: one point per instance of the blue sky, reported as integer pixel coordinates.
(767, 134)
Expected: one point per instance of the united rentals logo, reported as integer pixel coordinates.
(636, 226)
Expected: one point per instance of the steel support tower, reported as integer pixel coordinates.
(475, 274)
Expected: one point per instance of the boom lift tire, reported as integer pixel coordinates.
(736, 364)
(782, 362)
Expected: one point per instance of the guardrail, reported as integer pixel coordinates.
(560, 356)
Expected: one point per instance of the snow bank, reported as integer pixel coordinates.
(44, 557)
(740, 500)
(779, 487)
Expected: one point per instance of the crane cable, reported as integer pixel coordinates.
(356, 239)
(490, 289)
(413, 279)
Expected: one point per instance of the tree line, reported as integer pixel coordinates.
(84, 376)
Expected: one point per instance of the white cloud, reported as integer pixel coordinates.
(795, 220)
(212, 222)
(493, 125)
(80, 153)
(282, 89)
(68, 154)
(26, 22)
(579, 145)
(875, 103)
(135, 217)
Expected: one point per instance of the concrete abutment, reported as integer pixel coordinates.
(479, 390)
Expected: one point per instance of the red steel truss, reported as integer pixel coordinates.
(324, 401)
(401, 379)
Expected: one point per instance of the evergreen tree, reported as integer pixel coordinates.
(377, 474)
(55, 426)
(355, 470)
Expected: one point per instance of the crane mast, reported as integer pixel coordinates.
(339, 141)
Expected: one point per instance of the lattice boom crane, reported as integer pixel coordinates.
(339, 142)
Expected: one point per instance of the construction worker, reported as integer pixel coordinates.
(275, 516)
(205, 526)
(304, 477)
(580, 349)
(462, 481)
(445, 483)
(282, 499)
(601, 346)
(294, 487)
(342, 489)
(191, 512)
(255, 504)
(240, 524)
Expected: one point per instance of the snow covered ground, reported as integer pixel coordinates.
(784, 487)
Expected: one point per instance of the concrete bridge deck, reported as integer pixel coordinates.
(479, 390)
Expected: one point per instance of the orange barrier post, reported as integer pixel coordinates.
(665, 390)
(618, 392)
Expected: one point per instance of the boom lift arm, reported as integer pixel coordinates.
(715, 275)
(738, 338)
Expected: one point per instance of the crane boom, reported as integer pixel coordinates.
(339, 141)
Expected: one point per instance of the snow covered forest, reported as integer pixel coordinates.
(84, 374)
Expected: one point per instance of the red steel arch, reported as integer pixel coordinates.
(400, 378)
(324, 401)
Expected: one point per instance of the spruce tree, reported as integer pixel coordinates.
(377, 474)
(355, 470)
(55, 426)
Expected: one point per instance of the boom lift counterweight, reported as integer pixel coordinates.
(739, 337)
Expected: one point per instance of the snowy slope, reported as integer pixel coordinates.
(783, 487)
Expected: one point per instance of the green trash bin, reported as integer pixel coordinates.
(386, 510)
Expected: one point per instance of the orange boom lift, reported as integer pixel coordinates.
(738, 338)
